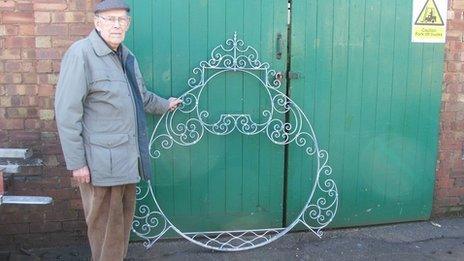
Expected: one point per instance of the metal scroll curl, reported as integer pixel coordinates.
(151, 223)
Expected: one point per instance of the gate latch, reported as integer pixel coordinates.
(294, 75)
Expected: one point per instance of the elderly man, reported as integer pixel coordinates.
(100, 103)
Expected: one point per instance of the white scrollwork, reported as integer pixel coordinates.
(188, 124)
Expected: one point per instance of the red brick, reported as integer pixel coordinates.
(49, 126)
(21, 89)
(46, 90)
(26, 215)
(81, 30)
(51, 29)
(42, 17)
(28, 54)
(6, 241)
(26, 136)
(17, 18)
(43, 227)
(12, 229)
(74, 225)
(459, 182)
(50, 6)
(27, 66)
(13, 66)
(49, 136)
(56, 66)
(32, 124)
(10, 78)
(22, 101)
(45, 79)
(26, 29)
(69, 17)
(6, 30)
(16, 113)
(63, 214)
(80, 5)
(15, 42)
(7, 5)
(12, 124)
(48, 53)
(11, 53)
(43, 42)
(51, 149)
(60, 41)
(44, 66)
(76, 204)
(5, 101)
(29, 78)
(24, 7)
(453, 201)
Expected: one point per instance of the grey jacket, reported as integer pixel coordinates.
(95, 112)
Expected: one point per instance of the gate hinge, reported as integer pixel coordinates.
(294, 75)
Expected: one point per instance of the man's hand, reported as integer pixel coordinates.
(82, 175)
(173, 103)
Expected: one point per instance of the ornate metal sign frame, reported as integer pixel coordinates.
(151, 223)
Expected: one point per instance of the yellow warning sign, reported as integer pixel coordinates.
(429, 15)
(429, 21)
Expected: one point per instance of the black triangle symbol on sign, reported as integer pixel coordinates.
(429, 15)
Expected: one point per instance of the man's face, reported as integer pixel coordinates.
(112, 25)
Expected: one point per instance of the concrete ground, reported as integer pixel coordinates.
(441, 239)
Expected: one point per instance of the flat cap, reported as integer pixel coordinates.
(106, 5)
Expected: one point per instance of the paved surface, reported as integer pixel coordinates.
(406, 241)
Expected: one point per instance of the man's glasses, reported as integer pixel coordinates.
(122, 20)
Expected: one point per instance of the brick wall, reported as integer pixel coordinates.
(449, 188)
(34, 35)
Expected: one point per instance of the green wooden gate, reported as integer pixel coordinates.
(372, 96)
(220, 183)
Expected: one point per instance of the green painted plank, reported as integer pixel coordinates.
(298, 46)
(198, 25)
(422, 193)
(409, 127)
(323, 74)
(129, 41)
(436, 82)
(216, 102)
(277, 151)
(266, 54)
(352, 125)
(234, 103)
(251, 93)
(163, 169)
(398, 101)
(339, 92)
(368, 106)
(384, 82)
(180, 73)
(302, 91)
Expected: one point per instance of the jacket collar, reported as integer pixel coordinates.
(98, 44)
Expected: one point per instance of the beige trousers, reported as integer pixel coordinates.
(108, 214)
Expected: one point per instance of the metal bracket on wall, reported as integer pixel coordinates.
(150, 221)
